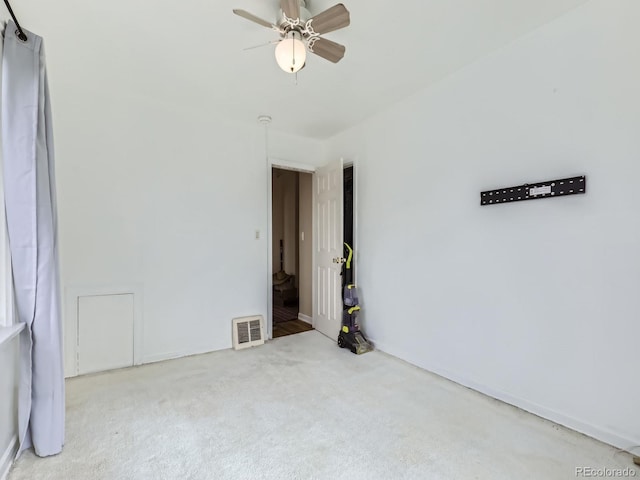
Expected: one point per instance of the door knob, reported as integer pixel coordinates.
(339, 260)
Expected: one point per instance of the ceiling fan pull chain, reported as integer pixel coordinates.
(293, 53)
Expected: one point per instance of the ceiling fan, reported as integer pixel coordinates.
(299, 32)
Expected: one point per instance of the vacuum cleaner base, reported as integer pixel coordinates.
(355, 342)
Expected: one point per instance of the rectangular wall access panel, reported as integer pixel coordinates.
(105, 332)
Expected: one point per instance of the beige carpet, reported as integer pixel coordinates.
(300, 408)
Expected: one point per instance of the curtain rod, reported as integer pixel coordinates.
(19, 31)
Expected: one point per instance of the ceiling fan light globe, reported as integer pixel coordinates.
(291, 53)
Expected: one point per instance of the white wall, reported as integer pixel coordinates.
(277, 219)
(290, 201)
(284, 220)
(9, 403)
(535, 302)
(169, 201)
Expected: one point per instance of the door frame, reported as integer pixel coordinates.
(274, 162)
(281, 164)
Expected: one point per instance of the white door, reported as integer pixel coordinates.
(328, 249)
(105, 332)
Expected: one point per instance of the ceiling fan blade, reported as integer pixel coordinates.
(327, 49)
(334, 18)
(291, 8)
(253, 18)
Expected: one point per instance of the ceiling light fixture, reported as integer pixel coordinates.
(291, 52)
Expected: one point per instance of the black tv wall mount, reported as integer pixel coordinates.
(534, 191)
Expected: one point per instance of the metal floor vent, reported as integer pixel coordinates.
(248, 332)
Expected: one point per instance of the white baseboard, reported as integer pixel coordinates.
(305, 318)
(161, 357)
(599, 433)
(593, 431)
(7, 457)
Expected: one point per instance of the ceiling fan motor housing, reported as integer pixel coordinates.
(304, 16)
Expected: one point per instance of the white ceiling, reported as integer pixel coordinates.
(189, 53)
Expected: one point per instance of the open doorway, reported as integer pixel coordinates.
(292, 251)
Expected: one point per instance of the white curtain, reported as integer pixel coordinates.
(32, 226)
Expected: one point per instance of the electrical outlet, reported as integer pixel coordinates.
(257, 234)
